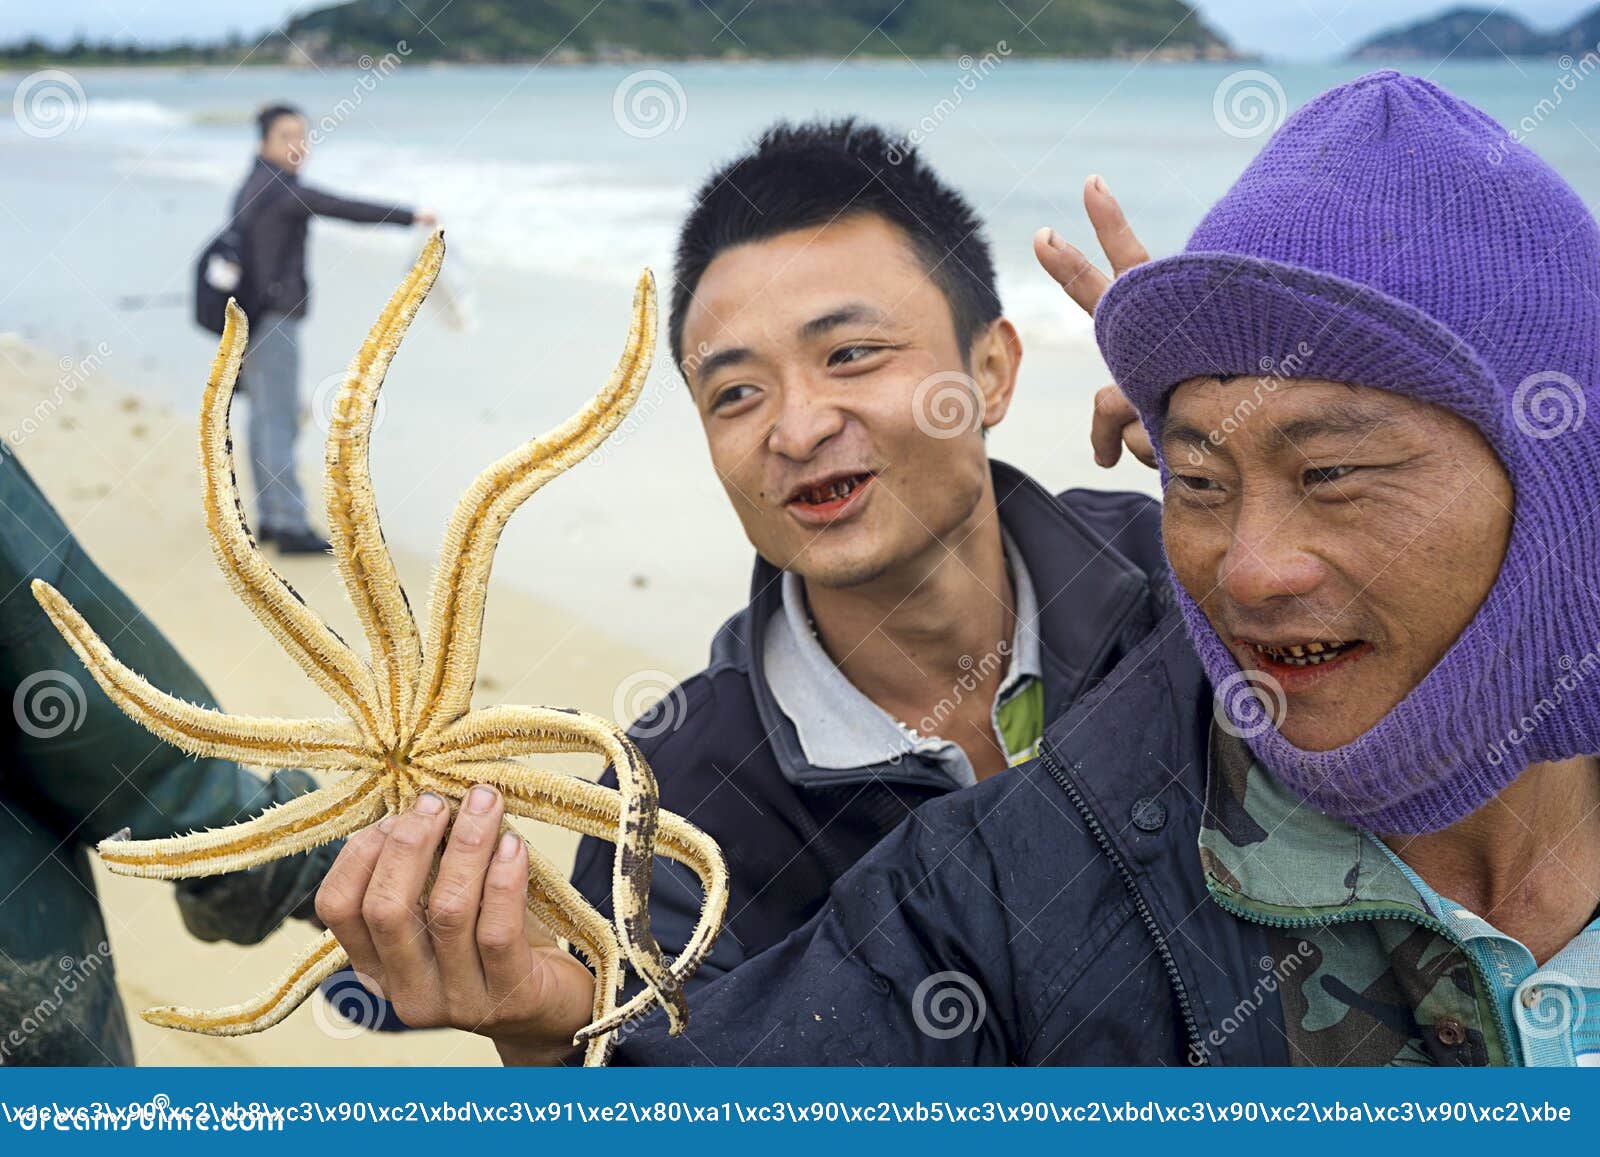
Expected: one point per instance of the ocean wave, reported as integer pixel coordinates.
(111, 112)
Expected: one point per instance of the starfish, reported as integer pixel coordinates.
(407, 725)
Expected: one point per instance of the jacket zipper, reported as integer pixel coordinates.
(1380, 914)
(1197, 1050)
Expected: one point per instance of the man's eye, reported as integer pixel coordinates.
(852, 353)
(1198, 484)
(730, 395)
(1320, 474)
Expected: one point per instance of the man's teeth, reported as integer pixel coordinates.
(1308, 655)
(833, 492)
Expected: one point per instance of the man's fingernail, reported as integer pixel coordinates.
(429, 804)
(1055, 240)
(1099, 183)
(480, 799)
(508, 846)
(386, 824)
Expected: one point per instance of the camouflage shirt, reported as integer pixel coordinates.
(1367, 975)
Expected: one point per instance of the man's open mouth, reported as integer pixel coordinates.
(831, 489)
(1304, 654)
(827, 499)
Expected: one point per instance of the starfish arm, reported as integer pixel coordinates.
(309, 969)
(500, 731)
(455, 613)
(326, 744)
(318, 649)
(560, 907)
(591, 809)
(304, 822)
(363, 557)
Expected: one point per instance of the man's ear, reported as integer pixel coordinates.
(996, 356)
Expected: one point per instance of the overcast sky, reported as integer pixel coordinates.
(1280, 28)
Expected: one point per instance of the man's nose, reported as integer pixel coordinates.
(1266, 558)
(805, 422)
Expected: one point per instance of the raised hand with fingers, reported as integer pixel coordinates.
(1116, 423)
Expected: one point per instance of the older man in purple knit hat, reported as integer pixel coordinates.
(1343, 806)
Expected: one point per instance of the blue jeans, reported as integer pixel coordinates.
(270, 375)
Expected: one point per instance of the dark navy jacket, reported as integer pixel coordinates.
(1064, 901)
(729, 760)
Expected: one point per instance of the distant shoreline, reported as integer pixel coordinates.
(10, 65)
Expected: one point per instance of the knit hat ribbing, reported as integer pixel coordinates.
(1391, 235)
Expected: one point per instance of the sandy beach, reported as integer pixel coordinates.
(123, 472)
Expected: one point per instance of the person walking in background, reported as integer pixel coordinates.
(272, 209)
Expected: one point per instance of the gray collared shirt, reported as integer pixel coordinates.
(840, 728)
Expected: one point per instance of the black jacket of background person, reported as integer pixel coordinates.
(272, 208)
(730, 761)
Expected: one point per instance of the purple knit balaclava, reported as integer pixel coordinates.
(1392, 236)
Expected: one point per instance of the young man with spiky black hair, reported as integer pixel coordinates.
(917, 611)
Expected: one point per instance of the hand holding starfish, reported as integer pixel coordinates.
(463, 955)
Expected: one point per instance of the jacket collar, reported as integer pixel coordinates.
(1268, 852)
(1087, 591)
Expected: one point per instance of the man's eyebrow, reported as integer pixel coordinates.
(851, 314)
(1184, 434)
(1339, 421)
(711, 363)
